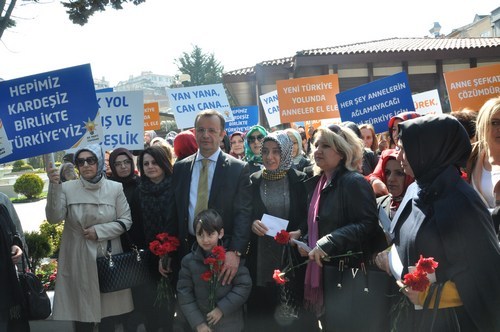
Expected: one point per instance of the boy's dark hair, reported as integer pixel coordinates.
(210, 221)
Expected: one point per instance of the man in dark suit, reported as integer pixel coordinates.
(228, 187)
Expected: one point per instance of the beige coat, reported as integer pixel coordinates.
(83, 204)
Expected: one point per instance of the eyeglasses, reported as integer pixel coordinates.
(125, 163)
(211, 131)
(90, 161)
(252, 139)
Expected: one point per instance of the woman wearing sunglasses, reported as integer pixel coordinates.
(94, 210)
(253, 143)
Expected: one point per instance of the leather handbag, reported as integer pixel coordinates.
(357, 299)
(124, 270)
(36, 302)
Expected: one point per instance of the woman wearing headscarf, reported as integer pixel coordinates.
(253, 144)
(375, 178)
(121, 162)
(237, 141)
(444, 218)
(185, 144)
(149, 211)
(299, 160)
(397, 181)
(342, 217)
(278, 190)
(95, 210)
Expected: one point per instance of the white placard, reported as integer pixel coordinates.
(427, 102)
(274, 224)
(271, 107)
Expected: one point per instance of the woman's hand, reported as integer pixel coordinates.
(379, 188)
(214, 316)
(164, 270)
(409, 293)
(203, 327)
(53, 174)
(90, 233)
(16, 254)
(294, 235)
(382, 261)
(259, 228)
(316, 255)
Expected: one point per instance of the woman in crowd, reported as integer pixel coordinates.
(121, 162)
(444, 218)
(149, 212)
(397, 181)
(370, 158)
(484, 163)
(299, 160)
(185, 144)
(149, 135)
(253, 144)
(369, 137)
(237, 141)
(375, 177)
(11, 319)
(342, 217)
(94, 210)
(67, 172)
(225, 145)
(278, 190)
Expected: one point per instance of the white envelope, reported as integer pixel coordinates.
(274, 224)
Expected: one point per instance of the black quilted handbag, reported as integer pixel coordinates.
(124, 270)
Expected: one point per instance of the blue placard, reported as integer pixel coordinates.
(244, 118)
(377, 101)
(46, 112)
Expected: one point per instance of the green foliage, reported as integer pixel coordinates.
(202, 67)
(38, 247)
(168, 126)
(26, 167)
(54, 233)
(80, 10)
(16, 166)
(29, 185)
(36, 162)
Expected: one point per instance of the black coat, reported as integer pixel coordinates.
(230, 196)
(347, 215)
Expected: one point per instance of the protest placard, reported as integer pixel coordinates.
(427, 102)
(271, 107)
(186, 103)
(48, 112)
(376, 102)
(470, 88)
(244, 118)
(122, 118)
(308, 98)
(152, 116)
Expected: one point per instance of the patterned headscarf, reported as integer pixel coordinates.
(286, 147)
(97, 151)
(249, 155)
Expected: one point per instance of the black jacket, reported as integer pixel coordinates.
(347, 215)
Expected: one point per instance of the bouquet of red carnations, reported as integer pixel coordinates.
(215, 261)
(162, 246)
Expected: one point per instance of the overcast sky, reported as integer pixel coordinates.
(150, 36)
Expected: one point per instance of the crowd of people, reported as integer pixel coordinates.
(361, 210)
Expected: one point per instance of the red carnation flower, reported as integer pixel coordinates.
(417, 280)
(162, 237)
(206, 276)
(282, 237)
(427, 265)
(210, 261)
(219, 253)
(278, 277)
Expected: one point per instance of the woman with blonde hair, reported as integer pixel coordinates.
(369, 137)
(483, 166)
(342, 217)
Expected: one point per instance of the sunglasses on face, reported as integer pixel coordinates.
(252, 139)
(90, 161)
